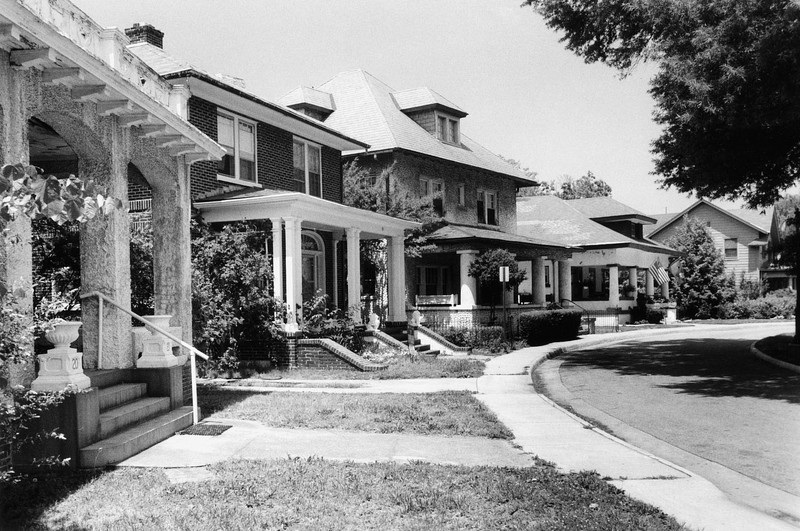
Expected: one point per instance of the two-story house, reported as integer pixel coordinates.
(418, 134)
(282, 166)
(746, 238)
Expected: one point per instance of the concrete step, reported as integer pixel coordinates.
(111, 397)
(109, 377)
(133, 440)
(429, 353)
(422, 348)
(121, 417)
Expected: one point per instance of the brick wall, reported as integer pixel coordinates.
(203, 115)
(274, 157)
(138, 188)
(327, 354)
(425, 119)
(410, 167)
(332, 185)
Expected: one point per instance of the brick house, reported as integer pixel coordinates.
(418, 134)
(746, 238)
(284, 167)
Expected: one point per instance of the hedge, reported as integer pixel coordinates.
(547, 326)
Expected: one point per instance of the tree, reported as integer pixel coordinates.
(538, 188)
(583, 187)
(726, 90)
(486, 268)
(701, 286)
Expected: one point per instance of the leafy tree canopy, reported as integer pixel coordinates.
(586, 186)
(486, 269)
(726, 90)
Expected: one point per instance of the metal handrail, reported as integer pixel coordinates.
(192, 350)
(585, 312)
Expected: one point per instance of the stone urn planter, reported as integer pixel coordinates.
(62, 365)
(161, 321)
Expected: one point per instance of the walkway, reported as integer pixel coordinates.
(540, 427)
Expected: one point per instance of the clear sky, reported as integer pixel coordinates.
(527, 97)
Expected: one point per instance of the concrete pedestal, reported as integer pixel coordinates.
(60, 367)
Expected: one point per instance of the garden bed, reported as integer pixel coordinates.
(445, 413)
(318, 494)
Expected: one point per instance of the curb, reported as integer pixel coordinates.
(769, 359)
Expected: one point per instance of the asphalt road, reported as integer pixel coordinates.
(702, 392)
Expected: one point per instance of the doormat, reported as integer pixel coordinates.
(210, 430)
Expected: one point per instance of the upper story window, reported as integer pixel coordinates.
(307, 159)
(434, 189)
(731, 248)
(487, 207)
(447, 129)
(462, 195)
(238, 137)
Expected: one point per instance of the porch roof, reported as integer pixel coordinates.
(457, 237)
(313, 211)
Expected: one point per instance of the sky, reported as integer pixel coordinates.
(527, 97)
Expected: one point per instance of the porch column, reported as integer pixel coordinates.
(172, 252)
(665, 290)
(469, 285)
(336, 238)
(538, 281)
(649, 283)
(293, 272)
(397, 279)
(613, 285)
(633, 278)
(564, 281)
(105, 267)
(277, 258)
(354, 273)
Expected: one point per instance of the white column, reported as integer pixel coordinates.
(665, 290)
(649, 283)
(633, 278)
(564, 280)
(337, 237)
(293, 259)
(613, 285)
(397, 279)
(537, 280)
(354, 273)
(469, 285)
(277, 258)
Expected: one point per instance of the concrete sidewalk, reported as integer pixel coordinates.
(540, 428)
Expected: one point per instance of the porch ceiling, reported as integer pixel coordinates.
(313, 211)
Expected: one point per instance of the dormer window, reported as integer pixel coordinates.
(447, 129)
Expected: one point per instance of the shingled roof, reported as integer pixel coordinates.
(368, 109)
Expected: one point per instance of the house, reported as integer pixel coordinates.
(418, 134)
(746, 238)
(73, 99)
(284, 167)
(616, 259)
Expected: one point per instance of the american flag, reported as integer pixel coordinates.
(659, 274)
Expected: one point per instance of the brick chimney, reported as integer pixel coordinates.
(146, 33)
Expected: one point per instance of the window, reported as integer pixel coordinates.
(731, 248)
(433, 188)
(447, 129)
(461, 195)
(238, 137)
(547, 276)
(313, 264)
(433, 280)
(487, 207)
(307, 159)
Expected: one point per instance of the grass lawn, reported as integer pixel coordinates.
(778, 348)
(447, 413)
(401, 369)
(317, 494)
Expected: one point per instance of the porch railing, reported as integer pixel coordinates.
(193, 352)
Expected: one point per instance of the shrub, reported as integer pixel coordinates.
(552, 325)
(767, 307)
(478, 337)
(653, 316)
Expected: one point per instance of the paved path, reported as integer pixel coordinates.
(540, 427)
(700, 399)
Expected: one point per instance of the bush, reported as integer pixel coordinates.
(767, 307)
(653, 316)
(551, 325)
(479, 337)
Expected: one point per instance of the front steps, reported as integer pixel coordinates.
(400, 333)
(129, 420)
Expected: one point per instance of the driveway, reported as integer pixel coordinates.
(701, 391)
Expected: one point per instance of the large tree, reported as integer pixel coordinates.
(583, 187)
(726, 91)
